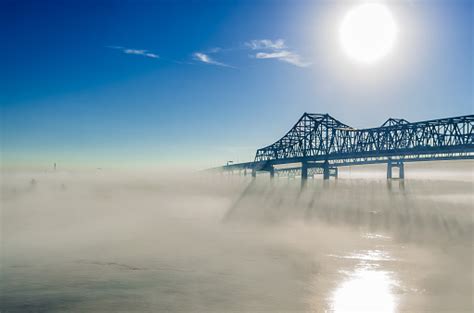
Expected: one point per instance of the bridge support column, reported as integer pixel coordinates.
(245, 172)
(389, 169)
(304, 171)
(254, 173)
(401, 169)
(326, 173)
(272, 172)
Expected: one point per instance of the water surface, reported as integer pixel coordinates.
(103, 241)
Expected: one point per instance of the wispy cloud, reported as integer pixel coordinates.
(141, 52)
(263, 44)
(276, 49)
(202, 57)
(261, 49)
(285, 56)
(145, 53)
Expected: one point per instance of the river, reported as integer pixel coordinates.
(104, 241)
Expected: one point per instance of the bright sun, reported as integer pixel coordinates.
(368, 32)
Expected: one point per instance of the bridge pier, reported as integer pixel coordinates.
(398, 164)
(254, 173)
(326, 170)
(401, 170)
(304, 171)
(272, 172)
(329, 171)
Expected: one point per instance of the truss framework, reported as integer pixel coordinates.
(320, 137)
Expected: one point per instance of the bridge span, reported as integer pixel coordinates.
(319, 144)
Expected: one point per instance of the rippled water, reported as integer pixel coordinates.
(122, 242)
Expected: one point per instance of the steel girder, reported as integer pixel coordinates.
(321, 137)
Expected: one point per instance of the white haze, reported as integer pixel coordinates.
(104, 241)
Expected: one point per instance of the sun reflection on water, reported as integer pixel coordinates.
(367, 289)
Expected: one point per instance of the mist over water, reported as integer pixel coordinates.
(105, 241)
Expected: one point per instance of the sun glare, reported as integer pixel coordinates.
(366, 291)
(368, 32)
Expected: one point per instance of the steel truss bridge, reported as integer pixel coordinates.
(319, 144)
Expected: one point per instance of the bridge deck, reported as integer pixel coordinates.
(320, 139)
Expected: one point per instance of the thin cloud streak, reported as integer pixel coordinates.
(141, 52)
(285, 56)
(276, 50)
(202, 57)
(263, 44)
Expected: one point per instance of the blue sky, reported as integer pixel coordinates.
(197, 83)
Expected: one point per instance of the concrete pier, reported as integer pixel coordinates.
(304, 171)
(272, 172)
(326, 170)
(397, 164)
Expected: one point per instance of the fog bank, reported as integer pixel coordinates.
(107, 241)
